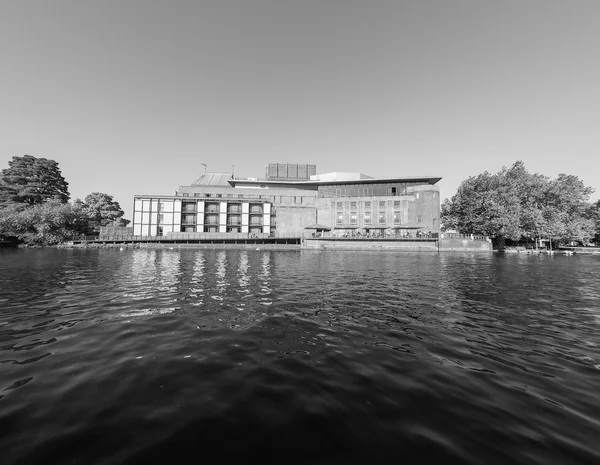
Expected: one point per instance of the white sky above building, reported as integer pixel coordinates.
(133, 96)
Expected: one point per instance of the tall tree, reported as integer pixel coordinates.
(46, 223)
(486, 204)
(593, 214)
(514, 203)
(32, 181)
(101, 210)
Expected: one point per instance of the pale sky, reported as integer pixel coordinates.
(132, 97)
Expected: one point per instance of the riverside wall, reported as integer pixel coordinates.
(407, 245)
(464, 245)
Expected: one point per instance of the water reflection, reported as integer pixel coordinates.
(242, 274)
(446, 358)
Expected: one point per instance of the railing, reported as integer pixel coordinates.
(382, 234)
(473, 237)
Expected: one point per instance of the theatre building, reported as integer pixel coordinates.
(292, 201)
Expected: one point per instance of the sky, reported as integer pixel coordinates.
(133, 97)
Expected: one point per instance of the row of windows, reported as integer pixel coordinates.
(286, 199)
(232, 208)
(215, 229)
(369, 190)
(367, 204)
(381, 219)
(381, 203)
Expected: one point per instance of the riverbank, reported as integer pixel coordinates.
(563, 250)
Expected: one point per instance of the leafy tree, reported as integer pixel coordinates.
(484, 204)
(514, 203)
(593, 214)
(101, 210)
(47, 223)
(32, 181)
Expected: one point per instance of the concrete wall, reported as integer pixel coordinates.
(442, 245)
(290, 220)
(464, 245)
(407, 246)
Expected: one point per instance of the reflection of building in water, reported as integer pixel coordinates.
(289, 201)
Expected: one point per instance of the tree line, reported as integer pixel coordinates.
(518, 205)
(35, 207)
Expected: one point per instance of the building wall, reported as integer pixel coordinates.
(286, 210)
(418, 210)
(290, 220)
(160, 216)
(289, 171)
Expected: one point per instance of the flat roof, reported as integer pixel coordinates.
(426, 179)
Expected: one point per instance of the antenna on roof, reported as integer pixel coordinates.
(232, 171)
(204, 164)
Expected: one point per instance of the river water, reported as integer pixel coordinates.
(268, 356)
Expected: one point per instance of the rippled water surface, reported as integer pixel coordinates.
(262, 356)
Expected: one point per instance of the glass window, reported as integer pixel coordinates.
(368, 205)
(339, 219)
(381, 217)
(434, 221)
(353, 205)
(353, 218)
(367, 217)
(382, 204)
(339, 205)
(396, 217)
(160, 218)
